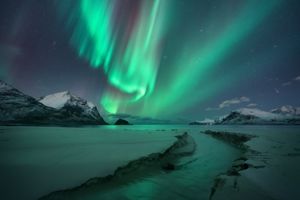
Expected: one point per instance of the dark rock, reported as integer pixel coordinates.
(241, 166)
(233, 172)
(122, 122)
(238, 118)
(242, 159)
(194, 123)
(168, 167)
(235, 139)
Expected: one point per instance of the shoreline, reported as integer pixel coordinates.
(266, 169)
(141, 167)
(240, 164)
(229, 163)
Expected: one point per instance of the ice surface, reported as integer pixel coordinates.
(279, 153)
(192, 177)
(36, 161)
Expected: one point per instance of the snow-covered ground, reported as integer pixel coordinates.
(36, 161)
(277, 148)
(192, 178)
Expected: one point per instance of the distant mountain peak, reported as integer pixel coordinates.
(257, 116)
(5, 86)
(63, 93)
(206, 121)
(62, 108)
(287, 110)
(257, 113)
(60, 99)
(56, 100)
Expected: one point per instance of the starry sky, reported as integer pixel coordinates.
(179, 59)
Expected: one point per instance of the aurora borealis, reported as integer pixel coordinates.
(128, 50)
(157, 58)
(133, 69)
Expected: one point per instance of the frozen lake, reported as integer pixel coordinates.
(36, 161)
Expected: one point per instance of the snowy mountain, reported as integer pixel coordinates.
(75, 106)
(203, 122)
(57, 100)
(256, 116)
(17, 108)
(287, 110)
(5, 87)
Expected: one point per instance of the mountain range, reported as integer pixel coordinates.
(17, 108)
(66, 109)
(284, 115)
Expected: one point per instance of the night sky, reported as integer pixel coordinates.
(174, 59)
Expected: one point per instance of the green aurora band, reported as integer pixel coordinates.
(138, 81)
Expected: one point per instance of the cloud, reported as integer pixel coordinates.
(228, 103)
(297, 78)
(287, 83)
(252, 105)
(276, 90)
(291, 81)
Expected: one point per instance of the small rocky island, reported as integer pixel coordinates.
(122, 122)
